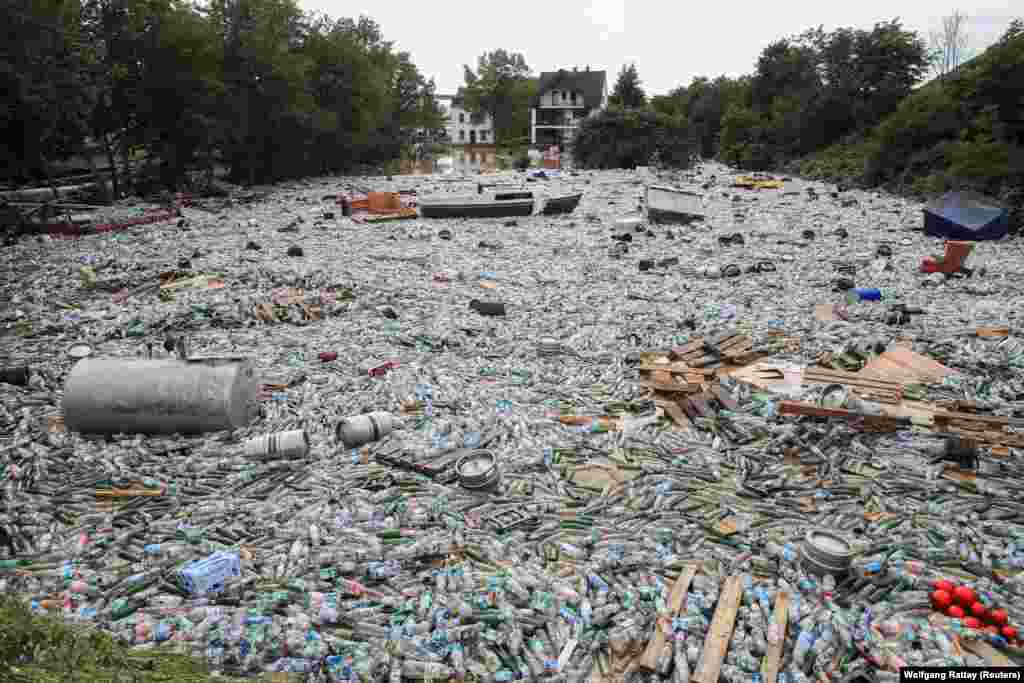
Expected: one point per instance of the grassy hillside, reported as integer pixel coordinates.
(965, 131)
(44, 649)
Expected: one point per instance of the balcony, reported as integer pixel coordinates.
(557, 118)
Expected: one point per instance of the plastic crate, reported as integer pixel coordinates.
(210, 574)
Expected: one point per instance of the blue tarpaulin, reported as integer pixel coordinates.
(966, 216)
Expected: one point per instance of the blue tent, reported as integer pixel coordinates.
(966, 216)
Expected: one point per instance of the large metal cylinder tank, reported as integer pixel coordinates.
(164, 396)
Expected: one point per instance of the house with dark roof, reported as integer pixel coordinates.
(564, 99)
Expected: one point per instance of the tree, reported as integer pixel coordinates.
(502, 88)
(621, 138)
(627, 92)
(45, 108)
(949, 43)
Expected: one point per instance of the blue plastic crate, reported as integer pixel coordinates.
(210, 574)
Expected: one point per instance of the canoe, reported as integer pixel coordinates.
(562, 204)
(474, 206)
(672, 205)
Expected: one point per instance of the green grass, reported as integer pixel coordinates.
(45, 649)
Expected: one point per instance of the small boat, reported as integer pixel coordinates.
(566, 203)
(476, 206)
(672, 205)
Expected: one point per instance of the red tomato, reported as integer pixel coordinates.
(978, 610)
(972, 622)
(998, 616)
(943, 585)
(964, 596)
(955, 612)
(941, 600)
(1009, 632)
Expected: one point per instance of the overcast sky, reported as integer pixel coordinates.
(671, 42)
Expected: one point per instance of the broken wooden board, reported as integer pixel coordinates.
(717, 641)
(773, 657)
(769, 377)
(673, 410)
(675, 603)
(825, 312)
(670, 387)
(901, 359)
(992, 332)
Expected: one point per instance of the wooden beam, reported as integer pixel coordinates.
(656, 644)
(717, 642)
(773, 658)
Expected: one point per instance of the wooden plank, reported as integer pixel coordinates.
(670, 388)
(675, 412)
(850, 378)
(717, 642)
(675, 603)
(773, 658)
(695, 345)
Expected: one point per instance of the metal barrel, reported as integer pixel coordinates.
(16, 375)
(292, 444)
(165, 396)
(363, 429)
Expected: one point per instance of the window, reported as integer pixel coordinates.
(554, 95)
(483, 135)
(462, 135)
(572, 97)
(563, 96)
(462, 117)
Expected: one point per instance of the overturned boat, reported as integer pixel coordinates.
(500, 205)
(565, 203)
(672, 205)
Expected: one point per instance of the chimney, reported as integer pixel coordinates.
(575, 69)
(588, 67)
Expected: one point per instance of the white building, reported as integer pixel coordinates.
(564, 99)
(462, 127)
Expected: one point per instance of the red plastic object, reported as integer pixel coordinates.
(941, 600)
(955, 612)
(971, 622)
(1009, 632)
(964, 596)
(978, 610)
(383, 368)
(998, 616)
(944, 585)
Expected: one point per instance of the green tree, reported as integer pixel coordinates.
(45, 108)
(501, 87)
(627, 92)
(621, 138)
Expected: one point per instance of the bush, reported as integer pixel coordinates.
(44, 649)
(626, 139)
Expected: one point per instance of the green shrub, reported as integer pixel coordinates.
(45, 649)
(618, 138)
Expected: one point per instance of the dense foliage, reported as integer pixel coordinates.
(46, 649)
(965, 130)
(255, 84)
(502, 87)
(618, 138)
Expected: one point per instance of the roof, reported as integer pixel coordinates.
(590, 83)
